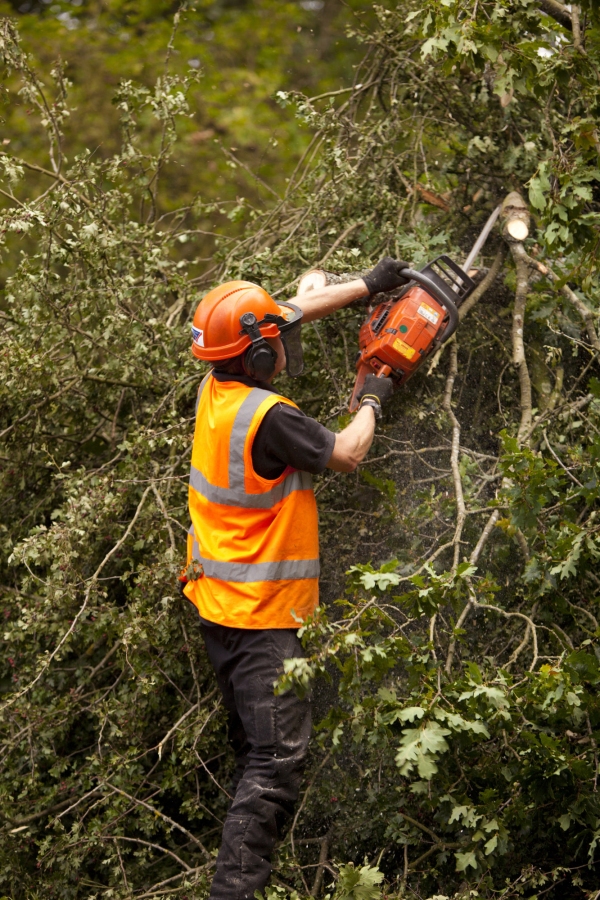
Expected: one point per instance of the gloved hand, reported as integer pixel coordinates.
(375, 392)
(386, 275)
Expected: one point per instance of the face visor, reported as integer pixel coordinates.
(288, 322)
(290, 338)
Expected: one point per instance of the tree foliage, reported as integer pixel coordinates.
(454, 660)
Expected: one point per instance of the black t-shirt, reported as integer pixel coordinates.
(286, 437)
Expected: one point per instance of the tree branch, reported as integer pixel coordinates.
(584, 311)
(519, 359)
(458, 490)
(558, 12)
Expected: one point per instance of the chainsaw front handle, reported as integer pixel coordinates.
(432, 288)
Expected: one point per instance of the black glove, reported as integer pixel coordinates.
(375, 392)
(386, 275)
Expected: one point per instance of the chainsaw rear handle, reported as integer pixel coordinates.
(432, 288)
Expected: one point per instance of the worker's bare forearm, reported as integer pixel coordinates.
(354, 442)
(318, 303)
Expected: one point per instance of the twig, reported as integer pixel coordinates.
(154, 890)
(458, 490)
(323, 856)
(123, 872)
(483, 538)
(559, 461)
(526, 638)
(519, 615)
(93, 580)
(570, 295)
(300, 809)
(122, 837)
(420, 825)
(519, 360)
(339, 240)
(174, 728)
(161, 815)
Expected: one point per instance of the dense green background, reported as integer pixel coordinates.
(455, 660)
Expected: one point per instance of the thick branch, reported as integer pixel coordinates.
(558, 12)
(458, 491)
(323, 857)
(519, 360)
(576, 22)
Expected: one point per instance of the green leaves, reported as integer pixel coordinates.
(368, 577)
(358, 883)
(420, 748)
(434, 590)
(464, 860)
(474, 761)
(539, 185)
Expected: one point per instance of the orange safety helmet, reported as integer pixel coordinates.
(218, 331)
(216, 328)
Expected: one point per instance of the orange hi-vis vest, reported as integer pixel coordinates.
(256, 539)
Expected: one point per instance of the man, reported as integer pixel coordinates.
(253, 554)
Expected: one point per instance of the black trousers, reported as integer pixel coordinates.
(270, 737)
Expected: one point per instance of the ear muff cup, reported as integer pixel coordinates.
(259, 361)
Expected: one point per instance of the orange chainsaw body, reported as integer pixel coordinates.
(402, 331)
(397, 337)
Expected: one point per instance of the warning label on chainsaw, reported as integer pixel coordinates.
(405, 349)
(428, 313)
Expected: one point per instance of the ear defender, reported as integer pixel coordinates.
(260, 358)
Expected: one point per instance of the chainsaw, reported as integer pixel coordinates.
(401, 332)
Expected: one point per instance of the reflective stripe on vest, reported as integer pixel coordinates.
(285, 570)
(229, 566)
(235, 494)
(295, 481)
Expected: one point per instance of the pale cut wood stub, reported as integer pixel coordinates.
(515, 218)
(318, 278)
(311, 281)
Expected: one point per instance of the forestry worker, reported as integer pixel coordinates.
(253, 549)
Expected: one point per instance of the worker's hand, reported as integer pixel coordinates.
(376, 391)
(386, 275)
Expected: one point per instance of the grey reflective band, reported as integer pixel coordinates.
(195, 545)
(295, 481)
(200, 389)
(239, 433)
(236, 495)
(284, 570)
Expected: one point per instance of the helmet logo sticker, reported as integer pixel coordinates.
(198, 336)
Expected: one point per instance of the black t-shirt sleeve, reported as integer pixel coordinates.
(288, 437)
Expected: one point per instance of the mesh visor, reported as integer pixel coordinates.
(290, 338)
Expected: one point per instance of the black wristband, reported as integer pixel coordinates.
(373, 402)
